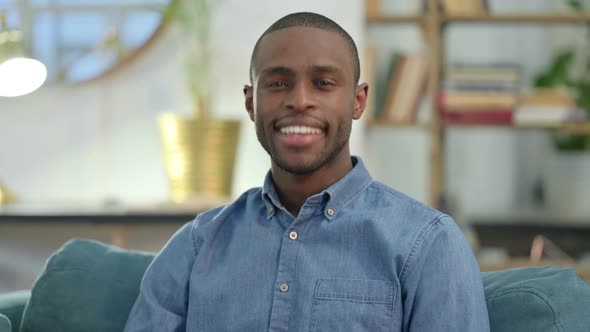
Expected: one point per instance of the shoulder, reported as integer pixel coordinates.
(247, 199)
(208, 221)
(427, 223)
(398, 207)
(416, 227)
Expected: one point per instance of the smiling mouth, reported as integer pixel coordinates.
(300, 130)
(299, 137)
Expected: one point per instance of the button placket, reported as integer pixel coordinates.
(283, 297)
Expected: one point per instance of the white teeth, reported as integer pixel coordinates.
(301, 130)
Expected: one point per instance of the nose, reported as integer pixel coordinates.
(301, 97)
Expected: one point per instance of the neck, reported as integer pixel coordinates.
(294, 189)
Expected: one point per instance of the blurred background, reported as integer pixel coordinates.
(128, 119)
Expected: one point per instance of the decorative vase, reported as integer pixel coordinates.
(567, 185)
(6, 196)
(199, 155)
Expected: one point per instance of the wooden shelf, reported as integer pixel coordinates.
(374, 124)
(512, 18)
(582, 128)
(576, 128)
(433, 22)
(484, 18)
(396, 19)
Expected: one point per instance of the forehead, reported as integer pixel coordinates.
(301, 47)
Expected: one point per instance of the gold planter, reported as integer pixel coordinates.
(6, 196)
(199, 155)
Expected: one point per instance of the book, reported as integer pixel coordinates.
(500, 73)
(479, 86)
(547, 116)
(385, 91)
(368, 76)
(474, 101)
(492, 117)
(407, 89)
(548, 97)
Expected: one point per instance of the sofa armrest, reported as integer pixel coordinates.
(5, 325)
(12, 306)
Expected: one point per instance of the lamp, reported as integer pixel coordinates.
(19, 74)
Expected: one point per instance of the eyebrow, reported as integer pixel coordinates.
(325, 70)
(286, 71)
(278, 70)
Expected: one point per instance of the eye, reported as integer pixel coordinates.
(276, 84)
(324, 83)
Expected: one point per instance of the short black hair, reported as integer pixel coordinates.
(310, 20)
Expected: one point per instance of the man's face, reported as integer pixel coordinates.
(304, 98)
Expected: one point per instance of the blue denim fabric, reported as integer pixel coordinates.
(365, 258)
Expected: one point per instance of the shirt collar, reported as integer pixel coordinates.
(340, 194)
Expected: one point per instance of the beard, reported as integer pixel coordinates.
(310, 164)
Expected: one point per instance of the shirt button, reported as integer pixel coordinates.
(284, 287)
(293, 235)
(330, 212)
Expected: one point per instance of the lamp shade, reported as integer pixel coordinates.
(19, 74)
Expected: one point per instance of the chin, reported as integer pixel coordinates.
(299, 167)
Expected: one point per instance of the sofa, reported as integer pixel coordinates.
(91, 286)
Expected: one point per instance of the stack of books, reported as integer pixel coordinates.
(479, 94)
(404, 89)
(547, 108)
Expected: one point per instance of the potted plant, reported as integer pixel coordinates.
(199, 150)
(567, 172)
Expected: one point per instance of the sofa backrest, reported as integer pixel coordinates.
(85, 286)
(537, 299)
(90, 286)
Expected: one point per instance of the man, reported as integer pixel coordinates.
(321, 246)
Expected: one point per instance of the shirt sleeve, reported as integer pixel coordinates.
(163, 296)
(442, 287)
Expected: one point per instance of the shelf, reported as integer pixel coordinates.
(374, 125)
(512, 18)
(396, 19)
(484, 18)
(433, 24)
(582, 128)
(576, 128)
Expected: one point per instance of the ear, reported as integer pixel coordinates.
(249, 100)
(360, 100)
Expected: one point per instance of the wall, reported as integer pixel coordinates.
(99, 142)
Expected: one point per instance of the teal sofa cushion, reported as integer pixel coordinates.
(5, 324)
(85, 286)
(537, 299)
(12, 306)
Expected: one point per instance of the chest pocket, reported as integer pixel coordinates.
(352, 305)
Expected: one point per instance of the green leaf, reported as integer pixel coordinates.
(558, 71)
(571, 142)
(575, 5)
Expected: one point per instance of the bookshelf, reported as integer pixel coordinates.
(506, 18)
(433, 23)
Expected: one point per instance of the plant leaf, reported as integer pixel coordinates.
(558, 71)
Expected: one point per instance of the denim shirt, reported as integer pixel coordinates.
(360, 256)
